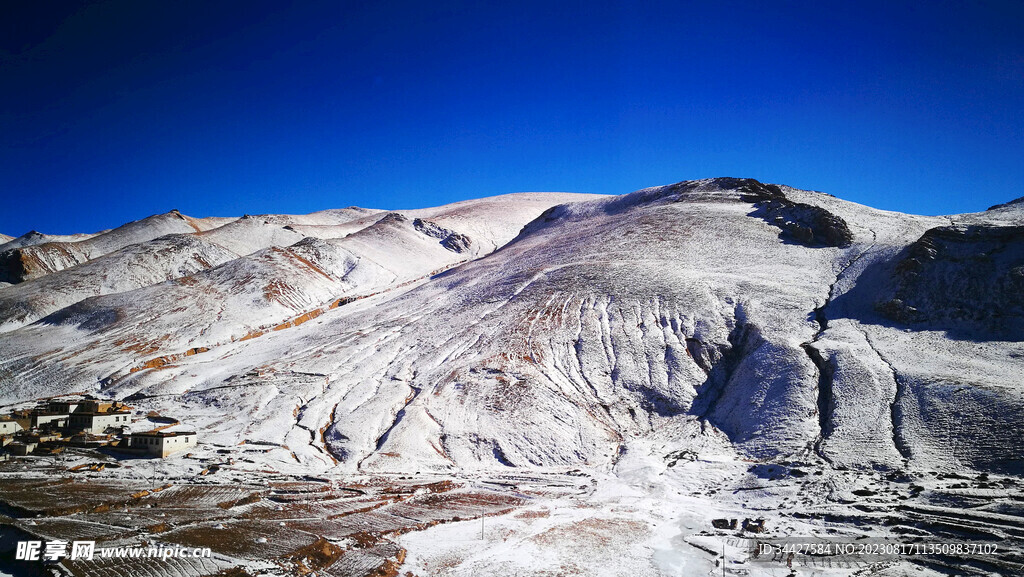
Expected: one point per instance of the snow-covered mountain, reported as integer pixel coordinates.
(719, 320)
(548, 329)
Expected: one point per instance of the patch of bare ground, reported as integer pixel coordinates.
(243, 539)
(534, 514)
(65, 496)
(299, 487)
(316, 556)
(198, 496)
(73, 529)
(380, 560)
(593, 533)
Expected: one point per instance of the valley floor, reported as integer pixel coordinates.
(651, 515)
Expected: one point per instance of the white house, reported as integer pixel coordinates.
(43, 418)
(9, 426)
(161, 444)
(98, 422)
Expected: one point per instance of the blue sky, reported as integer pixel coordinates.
(116, 110)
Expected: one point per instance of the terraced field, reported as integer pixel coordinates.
(275, 523)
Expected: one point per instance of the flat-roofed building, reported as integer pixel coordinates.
(66, 406)
(42, 418)
(98, 422)
(9, 426)
(22, 448)
(161, 444)
(97, 406)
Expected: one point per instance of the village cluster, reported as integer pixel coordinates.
(54, 424)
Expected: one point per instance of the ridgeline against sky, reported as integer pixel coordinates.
(115, 110)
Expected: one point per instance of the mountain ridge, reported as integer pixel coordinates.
(636, 373)
(755, 311)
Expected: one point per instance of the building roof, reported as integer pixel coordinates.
(99, 413)
(163, 434)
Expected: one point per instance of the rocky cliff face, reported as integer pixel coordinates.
(960, 278)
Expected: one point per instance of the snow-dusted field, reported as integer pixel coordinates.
(593, 381)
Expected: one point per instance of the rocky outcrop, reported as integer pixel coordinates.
(453, 241)
(457, 242)
(802, 223)
(961, 277)
(430, 229)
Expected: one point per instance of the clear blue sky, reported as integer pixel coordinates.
(115, 110)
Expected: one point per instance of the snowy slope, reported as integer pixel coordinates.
(716, 317)
(241, 297)
(624, 372)
(492, 221)
(153, 261)
(33, 238)
(35, 259)
(134, 266)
